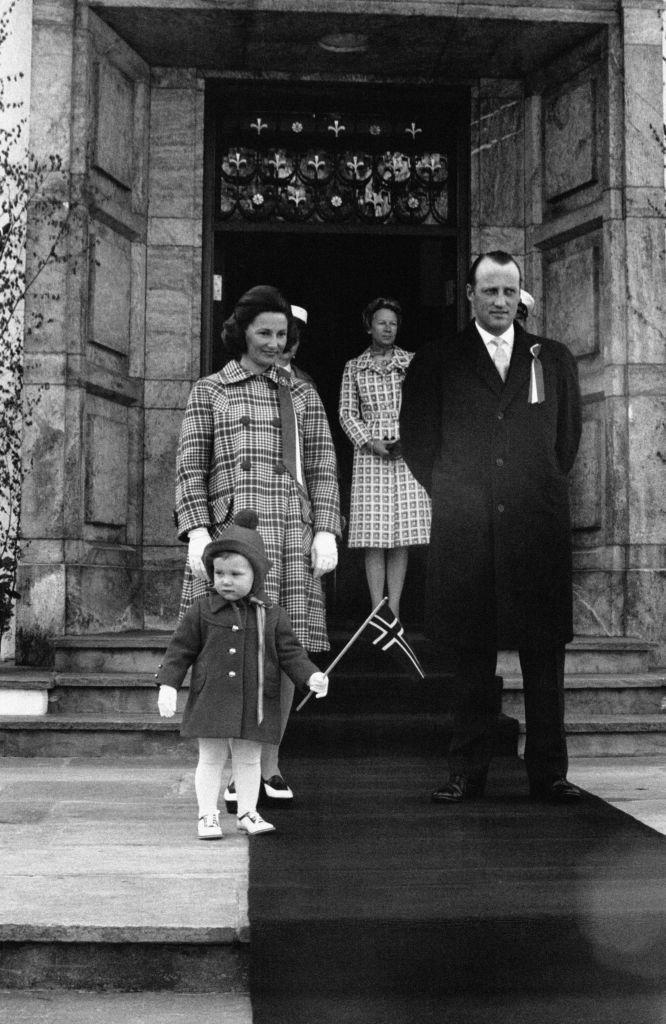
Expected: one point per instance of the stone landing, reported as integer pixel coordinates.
(106, 887)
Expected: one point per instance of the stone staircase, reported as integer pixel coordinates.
(102, 700)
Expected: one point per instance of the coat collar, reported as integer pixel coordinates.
(233, 373)
(399, 360)
(519, 368)
(217, 603)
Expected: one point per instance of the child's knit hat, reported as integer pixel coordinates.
(241, 538)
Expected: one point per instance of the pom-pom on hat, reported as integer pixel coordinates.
(241, 538)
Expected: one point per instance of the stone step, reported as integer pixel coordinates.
(46, 1006)
(614, 735)
(135, 693)
(591, 694)
(131, 651)
(90, 735)
(141, 651)
(148, 735)
(586, 655)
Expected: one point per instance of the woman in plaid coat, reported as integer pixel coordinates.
(231, 455)
(390, 511)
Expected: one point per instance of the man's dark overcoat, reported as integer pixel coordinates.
(219, 639)
(495, 466)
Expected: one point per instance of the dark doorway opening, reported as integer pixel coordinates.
(334, 276)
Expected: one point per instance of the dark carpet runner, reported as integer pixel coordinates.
(370, 905)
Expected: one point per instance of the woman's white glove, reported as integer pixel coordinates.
(198, 538)
(318, 683)
(166, 701)
(324, 553)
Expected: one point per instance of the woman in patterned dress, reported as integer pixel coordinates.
(390, 511)
(231, 456)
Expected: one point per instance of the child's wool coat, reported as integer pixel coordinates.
(219, 640)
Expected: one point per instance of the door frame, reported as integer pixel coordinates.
(460, 100)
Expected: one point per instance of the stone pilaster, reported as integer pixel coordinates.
(173, 309)
(83, 448)
(645, 323)
(497, 190)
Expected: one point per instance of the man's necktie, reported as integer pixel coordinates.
(501, 356)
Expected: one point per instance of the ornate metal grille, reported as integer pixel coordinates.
(331, 168)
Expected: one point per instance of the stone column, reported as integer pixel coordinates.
(173, 309)
(497, 213)
(83, 450)
(645, 322)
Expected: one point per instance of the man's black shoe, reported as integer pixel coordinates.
(559, 792)
(458, 788)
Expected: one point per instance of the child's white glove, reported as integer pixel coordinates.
(198, 539)
(166, 701)
(318, 683)
(324, 553)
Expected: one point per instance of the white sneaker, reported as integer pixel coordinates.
(209, 826)
(253, 824)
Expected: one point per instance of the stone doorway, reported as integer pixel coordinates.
(334, 276)
(336, 198)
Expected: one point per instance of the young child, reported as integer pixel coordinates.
(237, 643)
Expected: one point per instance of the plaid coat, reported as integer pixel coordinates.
(230, 457)
(388, 507)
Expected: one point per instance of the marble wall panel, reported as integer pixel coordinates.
(171, 180)
(44, 461)
(587, 478)
(501, 156)
(646, 290)
(571, 295)
(169, 311)
(173, 117)
(643, 84)
(114, 138)
(168, 333)
(647, 469)
(162, 427)
(646, 600)
(50, 99)
(616, 492)
(40, 613)
(598, 602)
(102, 599)
(110, 290)
(569, 120)
(163, 570)
(106, 463)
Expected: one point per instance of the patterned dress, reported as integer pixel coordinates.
(389, 509)
(230, 457)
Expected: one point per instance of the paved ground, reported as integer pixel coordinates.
(637, 785)
(103, 850)
(92, 849)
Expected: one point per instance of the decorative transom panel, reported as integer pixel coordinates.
(332, 168)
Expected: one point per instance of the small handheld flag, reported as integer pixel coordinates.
(389, 637)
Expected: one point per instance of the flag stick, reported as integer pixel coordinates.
(344, 649)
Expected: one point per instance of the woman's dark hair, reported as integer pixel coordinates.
(263, 298)
(380, 303)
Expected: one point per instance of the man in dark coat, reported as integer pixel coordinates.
(490, 425)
